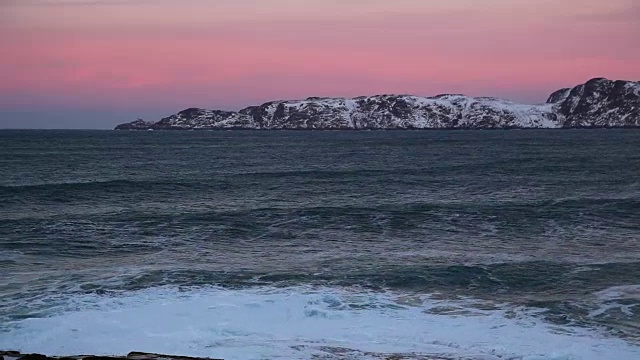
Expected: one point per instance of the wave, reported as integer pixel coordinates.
(303, 323)
(211, 181)
(556, 288)
(218, 199)
(99, 185)
(108, 192)
(620, 292)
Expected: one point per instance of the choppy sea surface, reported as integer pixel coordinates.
(322, 245)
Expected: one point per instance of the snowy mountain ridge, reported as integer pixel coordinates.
(597, 103)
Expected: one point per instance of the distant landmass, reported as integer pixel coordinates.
(597, 103)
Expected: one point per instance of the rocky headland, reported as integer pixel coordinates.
(598, 103)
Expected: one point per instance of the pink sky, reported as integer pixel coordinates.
(135, 57)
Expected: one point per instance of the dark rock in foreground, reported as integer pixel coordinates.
(327, 353)
(14, 355)
(597, 103)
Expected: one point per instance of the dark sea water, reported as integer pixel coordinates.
(261, 245)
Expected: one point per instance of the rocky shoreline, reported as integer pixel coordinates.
(16, 355)
(330, 353)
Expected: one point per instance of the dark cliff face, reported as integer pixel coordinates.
(597, 103)
(195, 119)
(256, 113)
(312, 113)
(558, 96)
(602, 103)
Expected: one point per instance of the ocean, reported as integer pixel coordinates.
(322, 245)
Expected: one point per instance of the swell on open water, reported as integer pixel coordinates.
(322, 245)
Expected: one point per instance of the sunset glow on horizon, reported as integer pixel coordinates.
(143, 57)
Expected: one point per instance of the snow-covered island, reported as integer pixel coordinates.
(597, 103)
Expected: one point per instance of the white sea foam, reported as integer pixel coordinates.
(296, 323)
(620, 292)
(614, 298)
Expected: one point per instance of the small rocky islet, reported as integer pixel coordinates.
(598, 103)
